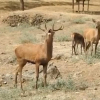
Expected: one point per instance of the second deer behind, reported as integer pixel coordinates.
(76, 40)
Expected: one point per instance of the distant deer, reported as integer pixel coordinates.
(78, 1)
(76, 40)
(92, 36)
(38, 54)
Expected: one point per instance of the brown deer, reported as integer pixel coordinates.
(76, 40)
(92, 36)
(78, 1)
(38, 54)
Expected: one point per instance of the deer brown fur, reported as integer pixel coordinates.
(92, 36)
(76, 40)
(38, 54)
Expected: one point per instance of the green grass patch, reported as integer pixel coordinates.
(28, 37)
(9, 94)
(78, 21)
(62, 38)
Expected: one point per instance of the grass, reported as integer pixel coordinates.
(27, 34)
(9, 94)
(94, 58)
(62, 38)
(89, 59)
(59, 84)
(68, 85)
(78, 20)
(28, 37)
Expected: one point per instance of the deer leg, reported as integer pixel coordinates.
(83, 5)
(72, 46)
(85, 48)
(20, 75)
(19, 69)
(72, 50)
(81, 49)
(37, 75)
(96, 47)
(75, 49)
(45, 74)
(88, 6)
(73, 6)
(91, 48)
(78, 6)
(16, 77)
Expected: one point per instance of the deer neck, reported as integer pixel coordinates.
(49, 47)
(98, 32)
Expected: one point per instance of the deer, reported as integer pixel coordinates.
(38, 54)
(78, 1)
(76, 40)
(92, 36)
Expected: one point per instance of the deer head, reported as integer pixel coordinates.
(97, 23)
(50, 32)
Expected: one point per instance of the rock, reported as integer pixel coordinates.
(5, 82)
(3, 76)
(59, 56)
(83, 87)
(8, 76)
(53, 72)
(3, 53)
(95, 88)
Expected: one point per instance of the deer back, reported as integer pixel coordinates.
(91, 34)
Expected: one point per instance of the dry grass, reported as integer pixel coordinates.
(80, 76)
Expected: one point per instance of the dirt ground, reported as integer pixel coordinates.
(76, 68)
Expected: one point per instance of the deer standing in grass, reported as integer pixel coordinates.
(38, 54)
(92, 36)
(76, 40)
(78, 1)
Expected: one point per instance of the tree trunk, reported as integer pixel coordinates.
(22, 5)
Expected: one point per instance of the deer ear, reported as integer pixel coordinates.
(94, 20)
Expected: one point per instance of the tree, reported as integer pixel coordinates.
(22, 5)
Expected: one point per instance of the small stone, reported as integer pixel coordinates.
(7, 75)
(60, 14)
(26, 70)
(95, 88)
(3, 75)
(23, 94)
(59, 56)
(5, 82)
(83, 87)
